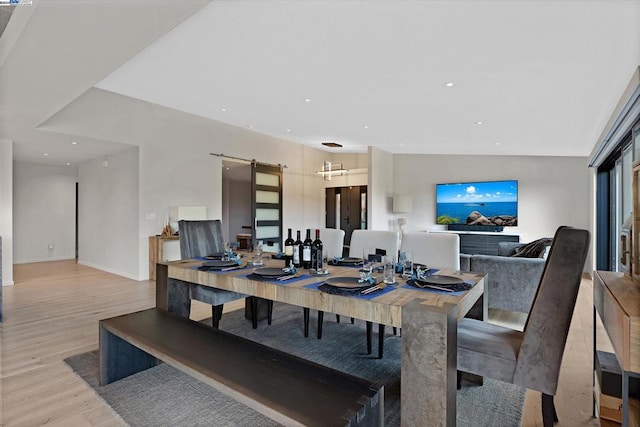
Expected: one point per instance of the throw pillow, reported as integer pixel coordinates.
(535, 249)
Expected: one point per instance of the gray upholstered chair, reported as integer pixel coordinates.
(532, 358)
(199, 239)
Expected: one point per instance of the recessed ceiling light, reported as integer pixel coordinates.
(307, 100)
(449, 84)
(223, 109)
(250, 126)
(497, 143)
(46, 154)
(68, 164)
(227, 168)
(74, 143)
(365, 127)
(288, 130)
(331, 144)
(479, 122)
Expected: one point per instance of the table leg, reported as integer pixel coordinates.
(428, 372)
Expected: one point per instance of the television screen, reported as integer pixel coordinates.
(477, 203)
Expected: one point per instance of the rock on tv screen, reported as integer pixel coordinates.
(477, 203)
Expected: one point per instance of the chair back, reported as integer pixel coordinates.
(440, 250)
(200, 238)
(332, 242)
(373, 239)
(545, 333)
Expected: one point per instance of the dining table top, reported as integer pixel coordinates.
(383, 306)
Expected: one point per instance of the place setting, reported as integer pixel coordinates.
(366, 285)
(429, 280)
(277, 274)
(220, 265)
(346, 261)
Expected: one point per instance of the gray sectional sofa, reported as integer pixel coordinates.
(512, 281)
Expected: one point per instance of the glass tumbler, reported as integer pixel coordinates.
(389, 272)
(407, 264)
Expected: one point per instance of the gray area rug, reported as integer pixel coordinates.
(164, 396)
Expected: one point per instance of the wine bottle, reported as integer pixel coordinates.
(306, 251)
(316, 253)
(297, 252)
(288, 250)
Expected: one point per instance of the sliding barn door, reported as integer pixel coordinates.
(266, 206)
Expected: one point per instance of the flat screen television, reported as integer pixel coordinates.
(478, 203)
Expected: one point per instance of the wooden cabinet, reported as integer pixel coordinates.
(635, 228)
(156, 252)
(616, 299)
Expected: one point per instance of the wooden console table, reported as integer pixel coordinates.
(616, 299)
(156, 252)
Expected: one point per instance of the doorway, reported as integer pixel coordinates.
(252, 204)
(346, 209)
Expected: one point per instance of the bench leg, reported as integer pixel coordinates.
(119, 359)
(269, 311)
(305, 313)
(178, 297)
(369, 328)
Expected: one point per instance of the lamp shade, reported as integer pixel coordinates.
(402, 203)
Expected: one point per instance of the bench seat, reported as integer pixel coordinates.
(285, 388)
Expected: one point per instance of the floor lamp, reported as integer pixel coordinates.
(402, 203)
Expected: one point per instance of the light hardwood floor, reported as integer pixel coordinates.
(53, 310)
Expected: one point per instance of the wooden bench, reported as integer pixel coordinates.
(288, 389)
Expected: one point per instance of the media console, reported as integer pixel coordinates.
(482, 243)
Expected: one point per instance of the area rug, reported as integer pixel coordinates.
(164, 396)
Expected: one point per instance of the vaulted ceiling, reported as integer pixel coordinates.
(519, 77)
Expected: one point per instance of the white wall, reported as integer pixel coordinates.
(176, 168)
(108, 213)
(44, 212)
(552, 191)
(380, 190)
(6, 209)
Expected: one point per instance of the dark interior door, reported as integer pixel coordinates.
(346, 209)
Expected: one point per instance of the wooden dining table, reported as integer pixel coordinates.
(428, 320)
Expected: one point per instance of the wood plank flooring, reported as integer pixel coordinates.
(52, 312)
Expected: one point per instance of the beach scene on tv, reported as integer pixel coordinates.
(478, 203)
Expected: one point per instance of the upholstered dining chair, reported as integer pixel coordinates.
(374, 239)
(532, 358)
(332, 245)
(199, 239)
(332, 242)
(439, 250)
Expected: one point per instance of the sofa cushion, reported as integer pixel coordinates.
(535, 249)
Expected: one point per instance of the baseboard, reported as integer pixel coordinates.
(29, 261)
(109, 270)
